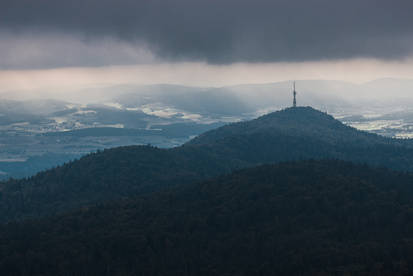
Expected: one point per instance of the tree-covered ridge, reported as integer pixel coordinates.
(300, 218)
(304, 133)
(106, 175)
(298, 121)
(292, 134)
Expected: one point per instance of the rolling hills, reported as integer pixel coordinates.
(291, 134)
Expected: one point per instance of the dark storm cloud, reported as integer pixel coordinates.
(226, 31)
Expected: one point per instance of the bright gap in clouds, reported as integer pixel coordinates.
(74, 83)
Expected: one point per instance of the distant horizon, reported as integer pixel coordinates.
(66, 81)
(53, 94)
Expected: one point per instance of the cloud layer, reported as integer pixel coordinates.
(215, 31)
(34, 50)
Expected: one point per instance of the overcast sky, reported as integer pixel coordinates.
(130, 36)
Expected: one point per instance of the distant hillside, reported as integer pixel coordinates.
(301, 218)
(290, 134)
(170, 130)
(246, 98)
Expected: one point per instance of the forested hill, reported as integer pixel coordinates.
(290, 134)
(295, 122)
(300, 218)
(303, 133)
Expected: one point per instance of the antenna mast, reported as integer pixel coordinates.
(294, 94)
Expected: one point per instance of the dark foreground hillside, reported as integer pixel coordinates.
(302, 218)
(291, 134)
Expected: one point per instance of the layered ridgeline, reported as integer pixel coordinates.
(290, 134)
(300, 218)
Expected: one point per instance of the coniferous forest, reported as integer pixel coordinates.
(294, 192)
(297, 218)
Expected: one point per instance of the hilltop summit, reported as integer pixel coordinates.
(292, 122)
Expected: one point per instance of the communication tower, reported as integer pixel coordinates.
(295, 96)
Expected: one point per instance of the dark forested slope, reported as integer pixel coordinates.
(301, 218)
(302, 133)
(291, 134)
(107, 175)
